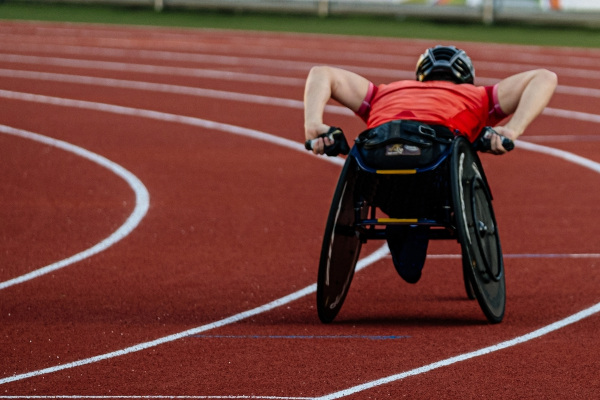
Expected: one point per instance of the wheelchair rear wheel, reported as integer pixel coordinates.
(467, 276)
(477, 232)
(341, 245)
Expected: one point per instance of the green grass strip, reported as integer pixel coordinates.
(347, 25)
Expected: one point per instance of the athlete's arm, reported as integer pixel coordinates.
(325, 83)
(525, 96)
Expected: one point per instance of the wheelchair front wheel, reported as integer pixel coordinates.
(477, 232)
(341, 245)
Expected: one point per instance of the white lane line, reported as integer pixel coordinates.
(124, 46)
(467, 356)
(395, 73)
(153, 69)
(239, 41)
(142, 201)
(196, 122)
(577, 91)
(564, 155)
(156, 87)
(258, 99)
(158, 397)
(375, 256)
(200, 58)
(382, 252)
(165, 117)
(278, 63)
(562, 138)
(561, 71)
(502, 345)
(195, 52)
(577, 115)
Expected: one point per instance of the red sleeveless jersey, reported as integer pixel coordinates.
(463, 108)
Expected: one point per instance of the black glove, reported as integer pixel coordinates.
(339, 146)
(484, 142)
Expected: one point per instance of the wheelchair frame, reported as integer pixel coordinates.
(451, 196)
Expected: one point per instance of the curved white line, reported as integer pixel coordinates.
(151, 397)
(564, 155)
(467, 356)
(238, 44)
(377, 255)
(142, 201)
(578, 115)
(382, 252)
(258, 99)
(157, 87)
(162, 116)
(155, 69)
(262, 62)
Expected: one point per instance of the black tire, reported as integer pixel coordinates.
(467, 277)
(341, 246)
(477, 231)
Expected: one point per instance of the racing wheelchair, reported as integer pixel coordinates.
(421, 178)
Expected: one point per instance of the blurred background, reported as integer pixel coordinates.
(556, 12)
(569, 23)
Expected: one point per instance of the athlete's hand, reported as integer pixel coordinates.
(333, 141)
(503, 132)
(312, 133)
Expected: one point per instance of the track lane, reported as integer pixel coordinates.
(344, 376)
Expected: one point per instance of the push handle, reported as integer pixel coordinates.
(484, 143)
(339, 146)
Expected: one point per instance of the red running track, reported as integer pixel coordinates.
(158, 211)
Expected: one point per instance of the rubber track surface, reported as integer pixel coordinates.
(234, 218)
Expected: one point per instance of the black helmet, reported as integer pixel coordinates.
(446, 63)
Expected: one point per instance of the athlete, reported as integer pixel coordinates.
(443, 94)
